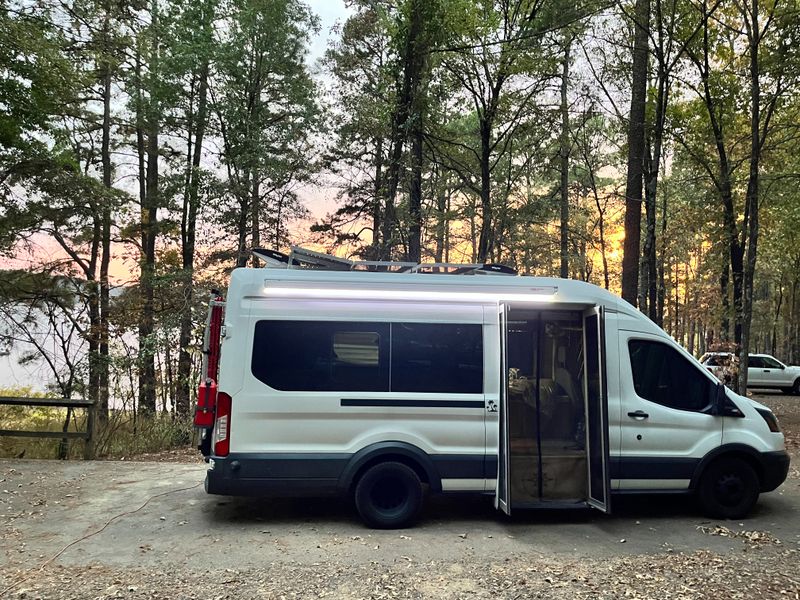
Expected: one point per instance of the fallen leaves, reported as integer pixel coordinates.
(755, 538)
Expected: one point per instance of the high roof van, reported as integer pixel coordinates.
(384, 386)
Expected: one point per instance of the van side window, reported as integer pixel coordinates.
(437, 357)
(755, 362)
(662, 375)
(323, 356)
(332, 356)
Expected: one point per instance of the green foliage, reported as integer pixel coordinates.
(266, 105)
(38, 79)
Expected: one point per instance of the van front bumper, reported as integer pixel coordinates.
(775, 468)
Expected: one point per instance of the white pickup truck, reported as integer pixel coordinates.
(763, 371)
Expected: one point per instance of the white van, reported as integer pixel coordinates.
(541, 392)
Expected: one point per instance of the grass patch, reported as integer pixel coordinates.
(121, 436)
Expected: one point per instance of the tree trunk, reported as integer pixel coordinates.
(485, 243)
(564, 162)
(633, 186)
(653, 171)
(105, 251)
(147, 368)
(243, 219)
(724, 285)
(415, 197)
(189, 233)
(660, 297)
(751, 199)
(411, 71)
(440, 191)
(376, 201)
(447, 230)
(255, 213)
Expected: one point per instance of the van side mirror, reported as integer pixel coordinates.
(718, 400)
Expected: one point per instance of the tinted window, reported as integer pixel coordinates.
(322, 356)
(433, 357)
(755, 362)
(354, 356)
(771, 363)
(661, 374)
(712, 361)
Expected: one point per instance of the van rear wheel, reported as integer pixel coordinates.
(728, 489)
(389, 496)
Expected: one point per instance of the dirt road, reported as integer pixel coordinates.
(147, 530)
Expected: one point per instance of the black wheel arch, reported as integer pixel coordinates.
(741, 451)
(396, 451)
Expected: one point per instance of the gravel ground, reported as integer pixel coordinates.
(114, 530)
(702, 574)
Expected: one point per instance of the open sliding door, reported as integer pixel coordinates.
(596, 409)
(503, 499)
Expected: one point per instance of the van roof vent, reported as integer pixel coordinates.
(301, 258)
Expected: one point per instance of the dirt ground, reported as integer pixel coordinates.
(146, 529)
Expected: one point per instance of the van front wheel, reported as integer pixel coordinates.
(728, 489)
(389, 496)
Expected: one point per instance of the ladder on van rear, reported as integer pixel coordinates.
(205, 410)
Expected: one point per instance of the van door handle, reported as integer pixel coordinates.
(766, 370)
(639, 414)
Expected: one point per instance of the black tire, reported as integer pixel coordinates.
(389, 496)
(729, 489)
(796, 388)
(788, 391)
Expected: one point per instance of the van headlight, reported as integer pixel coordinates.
(769, 417)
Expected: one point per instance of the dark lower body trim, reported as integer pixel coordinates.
(296, 474)
(652, 467)
(775, 467)
(276, 474)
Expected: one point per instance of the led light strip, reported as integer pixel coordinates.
(373, 294)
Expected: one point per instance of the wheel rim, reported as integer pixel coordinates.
(389, 495)
(730, 489)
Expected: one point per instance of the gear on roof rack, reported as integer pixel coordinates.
(302, 258)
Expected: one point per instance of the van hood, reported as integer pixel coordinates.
(755, 404)
(736, 397)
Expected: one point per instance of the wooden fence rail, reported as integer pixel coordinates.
(87, 435)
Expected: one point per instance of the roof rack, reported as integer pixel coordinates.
(301, 258)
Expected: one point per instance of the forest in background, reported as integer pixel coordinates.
(646, 146)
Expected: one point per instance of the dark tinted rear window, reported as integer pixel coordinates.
(369, 357)
(322, 356)
(431, 357)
